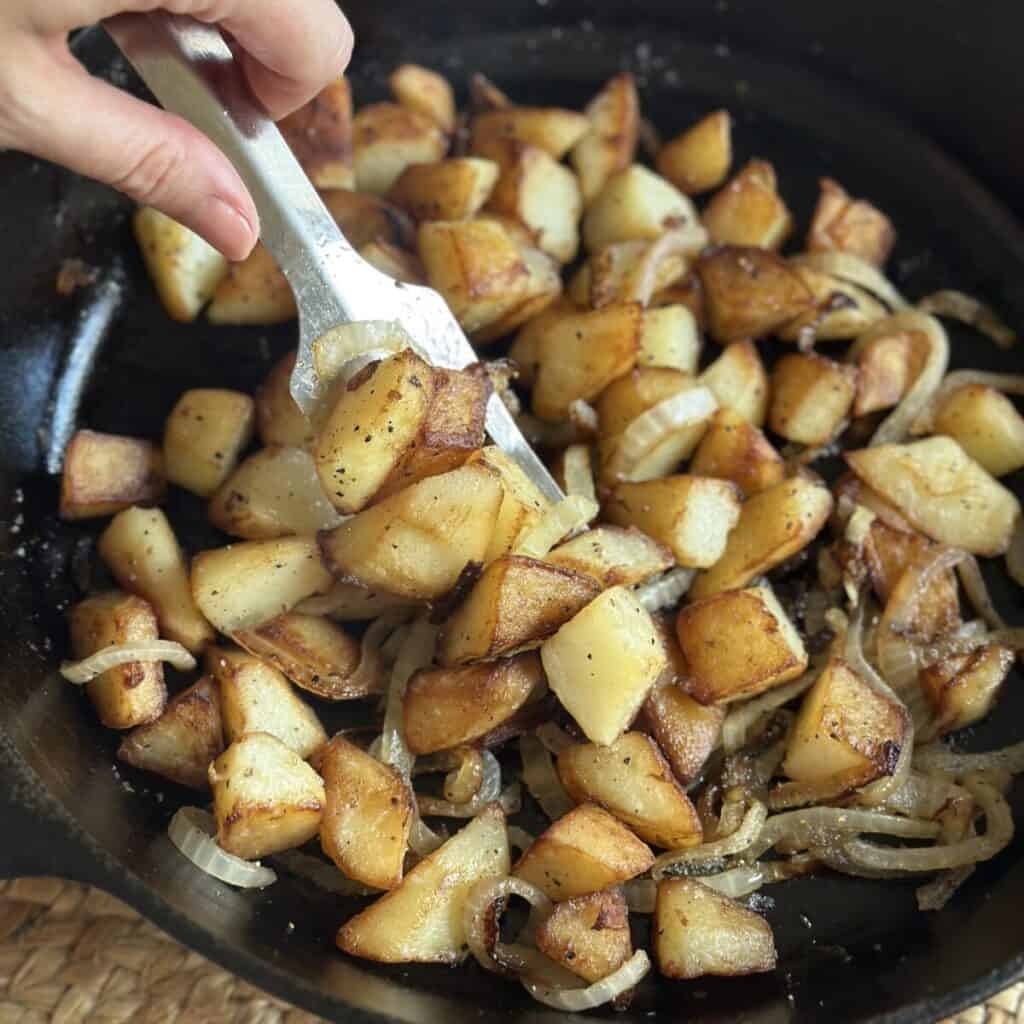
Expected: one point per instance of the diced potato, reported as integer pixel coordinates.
(602, 663)
(185, 269)
(183, 741)
(963, 689)
(397, 263)
(278, 419)
(265, 797)
(613, 556)
(738, 644)
(734, 449)
(256, 698)
(749, 210)
(367, 815)
(204, 437)
(635, 203)
(687, 731)
(417, 543)
(691, 515)
(105, 473)
(422, 920)
(387, 139)
(551, 129)
(348, 602)
(670, 338)
(127, 695)
(527, 346)
(984, 422)
(446, 707)
(365, 218)
(254, 291)
(774, 525)
(142, 553)
(750, 292)
(313, 653)
(588, 935)
(426, 92)
(688, 292)
(942, 492)
(845, 730)
(841, 309)
(888, 365)
(320, 136)
(485, 95)
(452, 189)
(633, 781)
(699, 159)
(849, 225)
(244, 586)
(585, 851)
(738, 380)
(609, 144)
(811, 397)
(614, 274)
(698, 931)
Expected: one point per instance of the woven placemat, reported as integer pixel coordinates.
(70, 954)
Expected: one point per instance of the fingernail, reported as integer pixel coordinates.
(227, 228)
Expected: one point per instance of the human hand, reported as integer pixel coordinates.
(52, 108)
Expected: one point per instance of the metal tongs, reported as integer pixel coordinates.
(191, 70)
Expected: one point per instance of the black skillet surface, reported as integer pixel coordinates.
(850, 950)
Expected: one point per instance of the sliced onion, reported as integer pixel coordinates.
(742, 717)
(977, 591)
(640, 894)
(787, 795)
(579, 475)
(322, 874)
(576, 1000)
(417, 653)
(423, 840)
(472, 772)
(934, 895)
(923, 796)
(554, 737)
(1008, 383)
(192, 830)
(542, 780)
(480, 919)
(488, 791)
(967, 637)
(84, 671)
(936, 757)
(542, 434)
(968, 310)
(696, 859)
(567, 517)
(681, 241)
(583, 416)
(666, 591)
(371, 666)
(855, 270)
(1015, 555)
(520, 839)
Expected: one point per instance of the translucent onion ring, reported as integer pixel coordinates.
(192, 832)
(84, 671)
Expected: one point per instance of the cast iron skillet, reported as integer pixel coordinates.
(109, 358)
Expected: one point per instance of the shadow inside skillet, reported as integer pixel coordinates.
(850, 950)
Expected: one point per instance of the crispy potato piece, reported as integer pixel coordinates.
(636, 392)
(105, 473)
(670, 338)
(348, 602)
(613, 130)
(603, 662)
(244, 586)
(734, 449)
(253, 292)
(750, 292)
(394, 262)
(774, 525)
(749, 210)
(204, 437)
(485, 95)
(142, 553)
(613, 556)
(256, 698)
(278, 419)
(942, 491)
(849, 225)
(888, 366)
(686, 730)
(365, 218)
(126, 695)
(698, 160)
(738, 644)
(984, 422)
(613, 274)
(551, 129)
(635, 203)
(453, 189)
(183, 741)
(417, 543)
(841, 309)
(517, 603)
(698, 931)
(184, 268)
(446, 707)
(265, 797)
(422, 920)
(320, 136)
(585, 851)
(527, 346)
(738, 380)
(963, 689)
(691, 515)
(588, 935)
(425, 92)
(688, 292)
(367, 815)
(387, 139)
(811, 397)
(313, 653)
(633, 781)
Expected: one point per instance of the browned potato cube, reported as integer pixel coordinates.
(348, 602)
(105, 473)
(699, 159)
(841, 309)
(849, 225)
(963, 689)
(551, 129)
(368, 813)
(632, 780)
(613, 556)
(634, 393)
(734, 449)
(686, 730)
(320, 136)
(183, 741)
(387, 139)
(738, 644)
(984, 422)
(425, 92)
(739, 382)
(588, 935)
(670, 338)
(887, 367)
(522, 504)
(452, 189)
(586, 851)
(517, 603)
(749, 210)
(609, 144)
(365, 218)
(615, 273)
(278, 419)
(698, 931)
(253, 292)
(527, 346)
(811, 397)
(265, 797)
(126, 695)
